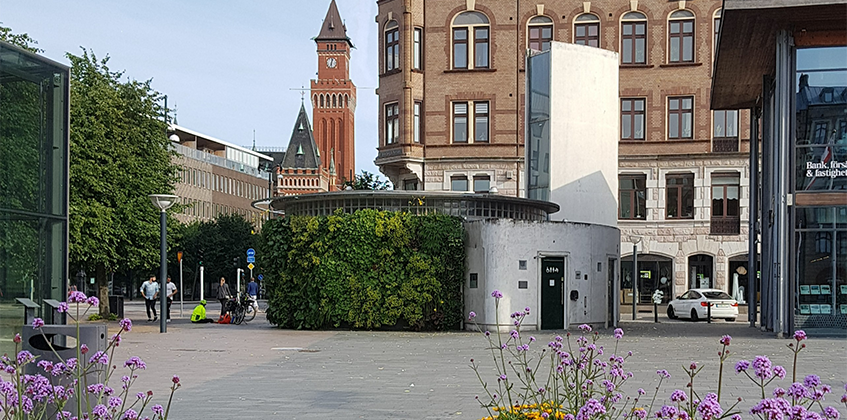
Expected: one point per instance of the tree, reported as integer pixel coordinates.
(119, 155)
(367, 181)
(21, 40)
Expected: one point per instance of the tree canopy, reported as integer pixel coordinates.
(119, 154)
(367, 181)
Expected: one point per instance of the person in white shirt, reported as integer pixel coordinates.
(150, 291)
(171, 291)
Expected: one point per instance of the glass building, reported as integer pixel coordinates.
(34, 118)
(789, 64)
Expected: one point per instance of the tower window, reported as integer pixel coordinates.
(417, 58)
(681, 37)
(392, 123)
(634, 38)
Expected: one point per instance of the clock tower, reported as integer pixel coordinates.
(334, 99)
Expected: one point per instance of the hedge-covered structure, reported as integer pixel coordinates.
(368, 269)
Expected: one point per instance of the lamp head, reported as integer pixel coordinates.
(163, 201)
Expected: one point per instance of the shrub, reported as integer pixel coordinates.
(366, 270)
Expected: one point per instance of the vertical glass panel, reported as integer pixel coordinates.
(627, 51)
(626, 126)
(688, 48)
(580, 30)
(686, 125)
(538, 126)
(640, 48)
(626, 204)
(673, 202)
(674, 54)
(673, 126)
(717, 201)
(639, 127)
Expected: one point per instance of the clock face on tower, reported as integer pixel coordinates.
(331, 62)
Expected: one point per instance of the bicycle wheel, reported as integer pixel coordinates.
(238, 315)
(249, 313)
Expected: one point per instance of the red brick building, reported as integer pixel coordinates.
(451, 89)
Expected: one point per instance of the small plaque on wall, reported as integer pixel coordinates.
(816, 289)
(825, 290)
(523, 284)
(521, 264)
(804, 289)
(805, 309)
(474, 281)
(844, 309)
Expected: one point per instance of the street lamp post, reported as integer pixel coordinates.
(635, 240)
(163, 202)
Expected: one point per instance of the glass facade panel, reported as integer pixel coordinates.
(33, 184)
(538, 128)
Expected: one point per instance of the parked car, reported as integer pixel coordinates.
(694, 304)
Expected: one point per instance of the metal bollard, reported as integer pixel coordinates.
(709, 313)
(655, 312)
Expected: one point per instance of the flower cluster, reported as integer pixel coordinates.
(585, 380)
(64, 387)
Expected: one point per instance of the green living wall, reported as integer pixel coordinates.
(368, 269)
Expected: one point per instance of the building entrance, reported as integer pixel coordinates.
(700, 272)
(552, 293)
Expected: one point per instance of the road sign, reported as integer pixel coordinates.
(250, 266)
(251, 259)
(260, 277)
(251, 252)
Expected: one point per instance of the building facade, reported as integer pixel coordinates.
(217, 177)
(788, 60)
(34, 116)
(452, 111)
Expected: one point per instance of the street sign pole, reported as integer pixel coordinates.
(201, 283)
(181, 292)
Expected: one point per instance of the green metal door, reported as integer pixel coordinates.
(552, 293)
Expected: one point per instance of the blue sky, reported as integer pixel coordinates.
(227, 66)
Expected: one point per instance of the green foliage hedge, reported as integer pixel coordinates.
(364, 270)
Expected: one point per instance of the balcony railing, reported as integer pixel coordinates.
(217, 160)
(725, 226)
(725, 144)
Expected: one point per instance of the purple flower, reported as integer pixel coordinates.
(710, 408)
(742, 366)
(772, 408)
(100, 357)
(799, 335)
(779, 371)
(526, 310)
(126, 324)
(175, 379)
(472, 315)
(779, 392)
(663, 373)
(590, 410)
(502, 377)
(762, 367)
(496, 294)
(514, 334)
(641, 391)
(735, 417)
(798, 391)
(585, 328)
(831, 413)
(158, 409)
(618, 333)
(83, 348)
(100, 411)
(725, 340)
(693, 366)
(115, 402)
(678, 396)
(130, 414)
(76, 297)
(24, 357)
(135, 363)
(487, 333)
(37, 323)
(93, 301)
(62, 308)
(667, 412)
(812, 381)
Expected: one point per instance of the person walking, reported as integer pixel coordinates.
(171, 291)
(150, 291)
(198, 316)
(223, 295)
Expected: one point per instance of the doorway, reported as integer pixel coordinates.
(552, 293)
(700, 272)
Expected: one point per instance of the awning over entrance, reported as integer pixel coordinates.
(746, 46)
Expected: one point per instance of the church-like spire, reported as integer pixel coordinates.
(333, 28)
(302, 151)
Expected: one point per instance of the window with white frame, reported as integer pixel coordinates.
(725, 124)
(417, 49)
(417, 122)
(471, 121)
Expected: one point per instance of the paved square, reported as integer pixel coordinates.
(258, 371)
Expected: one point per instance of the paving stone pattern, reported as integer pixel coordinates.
(261, 372)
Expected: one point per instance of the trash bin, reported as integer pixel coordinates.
(63, 339)
(116, 305)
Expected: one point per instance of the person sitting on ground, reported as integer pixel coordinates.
(198, 316)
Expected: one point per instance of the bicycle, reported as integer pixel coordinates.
(251, 309)
(238, 309)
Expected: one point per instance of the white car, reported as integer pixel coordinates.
(694, 304)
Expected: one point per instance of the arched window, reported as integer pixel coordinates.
(346, 101)
(540, 33)
(315, 101)
(334, 103)
(634, 38)
(587, 30)
(322, 101)
(392, 46)
(681, 37)
(470, 39)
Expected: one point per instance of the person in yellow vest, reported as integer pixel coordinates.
(198, 316)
